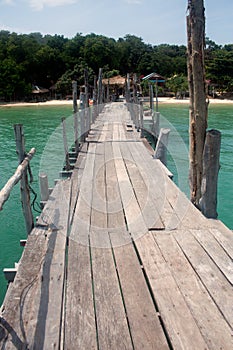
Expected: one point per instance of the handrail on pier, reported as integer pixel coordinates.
(14, 179)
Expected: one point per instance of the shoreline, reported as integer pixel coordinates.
(163, 100)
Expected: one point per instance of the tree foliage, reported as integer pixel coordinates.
(34, 59)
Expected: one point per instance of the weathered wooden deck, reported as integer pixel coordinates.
(120, 259)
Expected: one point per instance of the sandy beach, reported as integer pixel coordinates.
(167, 100)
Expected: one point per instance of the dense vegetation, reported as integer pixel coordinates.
(34, 59)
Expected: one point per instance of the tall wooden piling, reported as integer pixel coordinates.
(211, 165)
(197, 92)
(24, 185)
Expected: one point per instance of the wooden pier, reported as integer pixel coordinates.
(120, 259)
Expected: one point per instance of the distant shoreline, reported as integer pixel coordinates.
(167, 100)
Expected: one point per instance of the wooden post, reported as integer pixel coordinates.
(127, 95)
(76, 140)
(141, 119)
(156, 123)
(135, 97)
(198, 109)
(74, 87)
(44, 187)
(211, 165)
(95, 97)
(24, 186)
(67, 161)
(100, 88)
(156, 96)
(86, 88)
(108, 92)
(161, 146)
(151, 98)
(82, 116)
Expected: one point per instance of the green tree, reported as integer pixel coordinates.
(12, 86)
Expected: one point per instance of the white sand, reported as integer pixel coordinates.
(167, 100)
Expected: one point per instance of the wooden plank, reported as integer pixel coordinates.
(157, 180)
(212, 278)
(182, 331)
(180, 325)
(224, 236)
(212, 325)
(145, 328)
(76, 178)
(33, 308)
(135, 221)
(112, 327)
(142, 189)
(216, 252)
(54, 272)
(80, 325)
(26, 282)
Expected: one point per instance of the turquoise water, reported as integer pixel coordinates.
(220, 117)
(42, 131)
(39, 123)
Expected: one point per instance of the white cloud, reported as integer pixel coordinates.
(38, 5)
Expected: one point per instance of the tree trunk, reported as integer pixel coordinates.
(198, 103)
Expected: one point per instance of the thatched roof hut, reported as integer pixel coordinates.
(117, 80)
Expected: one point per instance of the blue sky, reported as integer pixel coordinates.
(155, 21)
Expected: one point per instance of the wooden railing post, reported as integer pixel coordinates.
(161, 146)
(100, 90)
(156, 123)
(44, 189)
(95, 97)
(66, 149)
(74, 87)
(76, 140)
(211, 165)
(24, 186)
(151, 98)
(141, 119)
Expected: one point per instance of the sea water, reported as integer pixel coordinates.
(42, 129)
